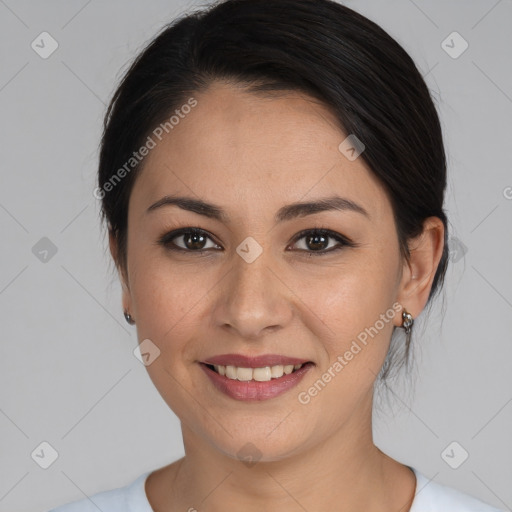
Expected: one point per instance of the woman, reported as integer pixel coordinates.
(272, 175)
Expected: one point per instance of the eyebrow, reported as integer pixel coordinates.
(288, 212)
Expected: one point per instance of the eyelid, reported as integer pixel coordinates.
(343, 241)
(166, 239)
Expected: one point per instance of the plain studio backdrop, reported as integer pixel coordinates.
(78, 412)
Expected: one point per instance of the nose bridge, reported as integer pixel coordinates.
(254, 299)
(251, 279)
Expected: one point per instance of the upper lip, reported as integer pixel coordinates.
(253, 361)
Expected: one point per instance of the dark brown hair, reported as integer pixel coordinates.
(318, 47)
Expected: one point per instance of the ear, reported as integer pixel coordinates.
(126, 294)
(418, 273)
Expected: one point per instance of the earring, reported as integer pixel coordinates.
(407, 321)
(128, 318)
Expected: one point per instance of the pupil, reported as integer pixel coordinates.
(197, 241)
(314, 244)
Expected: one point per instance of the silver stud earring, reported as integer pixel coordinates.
(129, 318)
(407, 321)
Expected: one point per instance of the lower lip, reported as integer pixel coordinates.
(254, 390)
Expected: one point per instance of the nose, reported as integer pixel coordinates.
(253, 299)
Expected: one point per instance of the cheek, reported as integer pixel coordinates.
(172, 303)
(164, 294)
(355, 304)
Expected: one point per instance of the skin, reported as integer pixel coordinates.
(251, 155)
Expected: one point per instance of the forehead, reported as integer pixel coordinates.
(243, 150)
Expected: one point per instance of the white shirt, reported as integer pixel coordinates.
(429, 497)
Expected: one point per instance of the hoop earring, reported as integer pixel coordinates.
(407, 321)
(129, 318)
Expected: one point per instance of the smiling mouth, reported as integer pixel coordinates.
(262, 374)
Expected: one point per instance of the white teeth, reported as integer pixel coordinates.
(276, 371)
(263, 374)
(244, 373)
(231, 372)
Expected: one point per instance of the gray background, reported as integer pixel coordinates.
(67, 372)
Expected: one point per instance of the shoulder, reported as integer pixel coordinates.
(130, 498)
(433, 497)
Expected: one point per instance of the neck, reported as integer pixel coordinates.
(312, 479)
(345, 472)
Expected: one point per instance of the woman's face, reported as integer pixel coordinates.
(260, 287)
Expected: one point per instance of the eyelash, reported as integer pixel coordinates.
(166, 240)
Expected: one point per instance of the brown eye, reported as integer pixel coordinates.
(188, 239)
(320, 241)
(317, 242)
